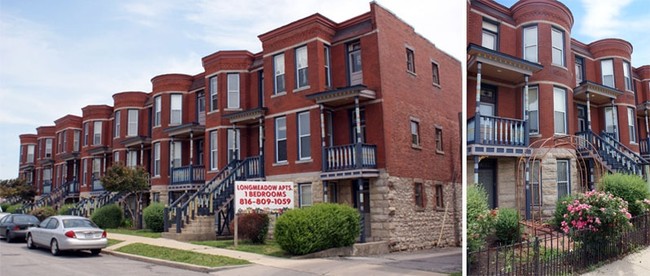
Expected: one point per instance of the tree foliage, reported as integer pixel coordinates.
(17, 188)
(119, 178)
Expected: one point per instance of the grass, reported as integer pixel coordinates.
(113, 242)
(135, 232)
(456, 274)
(182, 256)
(270, 248)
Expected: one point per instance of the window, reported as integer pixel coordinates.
(200, 107)
(64, 134)
(156, 159)
(607, 72)
(176, 109)
(175, 154)
(30, 153)
(490, 35)
(213, 151)
(86, 134)
(304, 136)
(133, 122)
(302, 64)
(157, 106)
(410, 60)
(214, 93)
(626, 76)
(278, 69)
(440, 196)
(580, 73)
(415, 133)
(530, 43)
(419, 195)
(535, 177)
(116, 156)
(434, 73)
(85, 172)
(131, 159)
(354, 63)
(97, 164)
(304, 189)
(630, 124)
(533, 110)
(97, 132)
(75, 143)
(563, 182)
(233, 145)
(116, 124)
(611, 119)
(557, 40)
(59, 140)
(559, 103)
(328, 75)
(280, 139)
(48, 148)
(439, 144)
(233, 90)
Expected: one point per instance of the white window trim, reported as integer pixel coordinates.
(232, 90)
(563, 111)
(536, 109)
(602, 72)
(156, 159)
(298, 52)
(627, 78)
(132, 124)
(535, 44)
(279, 70)
(301, 188)
(97, 132)
(179, 109)
(303, 116)
(631, 126)
(568, 177)
(237, 144)
(157, 111)
(554, 48)
(214, 93)
(278, 140)
(116, 123)
(214, 150)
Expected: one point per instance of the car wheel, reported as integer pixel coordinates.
(54, 247)
(30, 242)
(8, 237)
(95, 252)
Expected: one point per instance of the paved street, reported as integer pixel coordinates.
(16, 259)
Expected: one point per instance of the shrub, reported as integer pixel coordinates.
(479, 217)
(153, 216)
(43, 212)
(631, 188)
(560, 210)
(594, 217)
(65, 209)
(4, 206)
(322, 226)
(14, 208)
(252, 226)
(507, 226)
(109, 216)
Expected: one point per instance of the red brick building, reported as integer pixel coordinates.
(362, 112)
(548, 114)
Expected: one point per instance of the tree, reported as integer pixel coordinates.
(17, 188)
(119, 178)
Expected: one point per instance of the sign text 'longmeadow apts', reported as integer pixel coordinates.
(263, 195)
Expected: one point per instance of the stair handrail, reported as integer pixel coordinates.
(612, 155)
(623, 148)
(177, 206)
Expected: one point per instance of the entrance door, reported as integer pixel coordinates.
(487, 178)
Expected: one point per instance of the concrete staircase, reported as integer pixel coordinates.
(201, 228)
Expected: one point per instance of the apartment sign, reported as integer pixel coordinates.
(264, 195)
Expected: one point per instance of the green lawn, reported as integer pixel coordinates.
(178, 255)
(113, 242)
(138, 232)
(271, 248)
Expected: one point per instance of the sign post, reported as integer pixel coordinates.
(254, 196)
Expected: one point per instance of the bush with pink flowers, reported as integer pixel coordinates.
(594, 217)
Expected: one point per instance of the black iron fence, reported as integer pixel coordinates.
(557, 254)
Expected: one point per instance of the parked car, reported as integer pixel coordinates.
(14, 226)
(60, 233)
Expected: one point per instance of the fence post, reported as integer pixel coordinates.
(536, 256)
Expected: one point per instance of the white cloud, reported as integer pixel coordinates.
(602, 18)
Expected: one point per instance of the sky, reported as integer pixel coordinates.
(59, 56)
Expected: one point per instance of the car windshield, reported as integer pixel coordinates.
(74, 223)
(25, 219)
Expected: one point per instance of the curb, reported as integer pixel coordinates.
(197, 268)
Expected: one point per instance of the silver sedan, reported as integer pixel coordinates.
(59, 233)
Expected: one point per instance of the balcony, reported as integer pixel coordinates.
(187, 177)
(497, 136)
(352, 160)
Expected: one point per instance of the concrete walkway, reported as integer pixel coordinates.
(430, 262)
(633, 264)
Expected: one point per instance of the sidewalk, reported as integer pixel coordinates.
(391, 264)
(634, 264)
